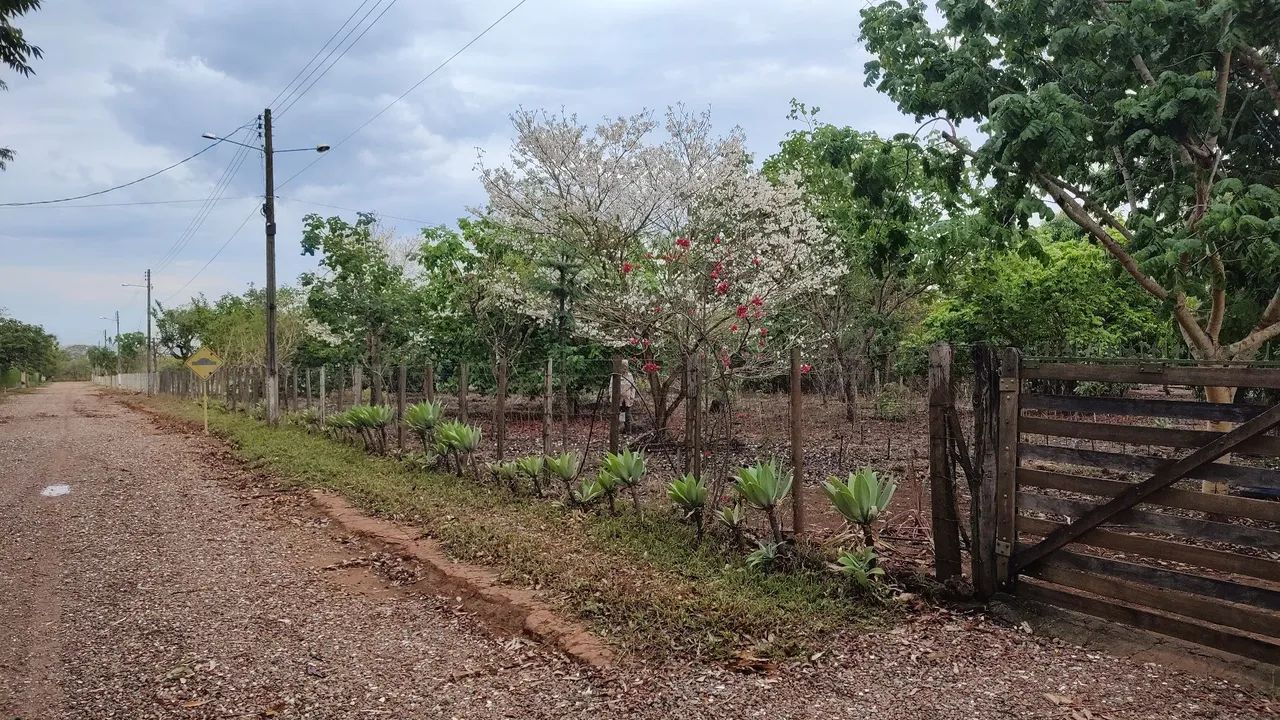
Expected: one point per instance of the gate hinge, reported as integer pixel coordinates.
(1004, 548)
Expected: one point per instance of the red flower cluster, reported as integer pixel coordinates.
(651, 367)
(757, 300)
(626, 268)
(722, 287)
(683, 242)
(805, 368)
(742, 312)
(755, 261)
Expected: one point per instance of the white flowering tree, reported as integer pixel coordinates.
(680, 249)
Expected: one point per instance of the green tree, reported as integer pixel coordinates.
(361, 296)
(896, 210)
(15, 51)
(1153, 125)
(102, 359)
(179, 329)
(27, 348)
(132, 346)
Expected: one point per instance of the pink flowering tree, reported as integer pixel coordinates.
(684, 251)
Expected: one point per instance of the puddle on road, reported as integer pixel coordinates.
(55, 490)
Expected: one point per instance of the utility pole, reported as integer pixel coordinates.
(269, 211)
(151, 349)
(118, 370)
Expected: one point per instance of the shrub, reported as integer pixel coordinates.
(628, 469)
(733, 518)
(460, 439)
(531, 467)
(508, 473)
(862, 498)
(589, 491)
(763, 486)
(423, 418)
(764, 556)
(892, 402)
(860, 566)
(689, 493)
(565, 467)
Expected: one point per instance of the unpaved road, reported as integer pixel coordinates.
(171, 583)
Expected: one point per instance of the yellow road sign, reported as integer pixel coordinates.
(204, 363)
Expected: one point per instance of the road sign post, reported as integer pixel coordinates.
(203, 364)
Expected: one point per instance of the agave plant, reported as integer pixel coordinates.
(733, 518)
(689, 493)
(460, 439)
(764, 556)
(423, 418)
(372, 421)
(588, 492)
(565, 467)
(861, 499)
(764, 486)
(609, 485)
(531, 467)
(860, 565)
(628, 468)
(508, 473)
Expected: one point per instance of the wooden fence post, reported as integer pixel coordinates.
(429, 383)
(401, 392)
(293, 393)
(797, 446)
(500, 410)
(547, 389)
(306, 387)
(690, 402)
(946, 526)
(357, 385)
(982, 486)
(324, 397)
(615, 404)
(463, 386)
(1007, 463)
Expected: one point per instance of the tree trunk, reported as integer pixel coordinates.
(1218, 395)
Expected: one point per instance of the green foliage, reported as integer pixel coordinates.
(627, 469)
(423, 418)
(16, 52)
(564, 467)
(531, 467)
(764, 486)
(179, 330)
(592, 489)
(1068, 300)
(1113, 110)
(689, 494)
(26, 347)
(508, 473)
(764, 557)
(893, 402)
(459, 436)
(860, 566)
(863, 497)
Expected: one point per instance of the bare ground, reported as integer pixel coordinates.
(171, 583)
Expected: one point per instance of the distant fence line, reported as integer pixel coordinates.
(136, 382)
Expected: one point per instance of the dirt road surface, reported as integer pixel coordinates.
(164, 581)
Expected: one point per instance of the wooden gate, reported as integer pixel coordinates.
(1098, 506)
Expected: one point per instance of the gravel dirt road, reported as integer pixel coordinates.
(170, 582)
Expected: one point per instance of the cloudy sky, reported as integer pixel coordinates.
(126, 88)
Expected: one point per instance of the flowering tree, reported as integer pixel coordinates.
(679, 248)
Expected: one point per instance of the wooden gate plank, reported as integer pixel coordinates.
(1127, 462)
(1268, 445)
(1144, 407)
(1236, 642)
(1265, 510)
(1241, 617)
(1231, 591)
(1157, 522)
(1007, 465)
(1228, 376)
(1227, 562)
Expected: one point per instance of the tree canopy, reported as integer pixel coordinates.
(1153, 125)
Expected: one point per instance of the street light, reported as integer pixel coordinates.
(117, 319)
(269, 211)
(151, 355)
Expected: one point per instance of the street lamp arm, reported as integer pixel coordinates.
(317, 148)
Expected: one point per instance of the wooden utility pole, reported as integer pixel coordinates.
(324, 397)
(797, 447)
(271, 379)
(547, 390)
(946, 526)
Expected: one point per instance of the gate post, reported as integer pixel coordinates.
(946, 526)
(1007, 463)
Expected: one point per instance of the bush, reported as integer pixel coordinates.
(862, 498)
(763, 486)
(893, 403)
(689, 493)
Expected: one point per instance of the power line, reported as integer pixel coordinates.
(186, 159)
(222, 247)
(288, 104)
(139, 202)
(317, 54)
(355, 210)
(202, 214)
(405, 94)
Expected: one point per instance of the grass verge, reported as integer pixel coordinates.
(638, 579)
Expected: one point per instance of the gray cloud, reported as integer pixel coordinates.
(126, 88)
